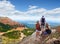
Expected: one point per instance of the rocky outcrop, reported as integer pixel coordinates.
(30, 40)
(50, 39)
(53, 41)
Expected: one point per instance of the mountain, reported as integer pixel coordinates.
(6, 20)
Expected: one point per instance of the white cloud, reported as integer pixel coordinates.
(36, 11)
(33, 12)
(6, 8)
(32, 7)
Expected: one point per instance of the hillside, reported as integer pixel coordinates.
(12, 31)
(5, 27)
(58, 28)
(7, 24)
(6, 20)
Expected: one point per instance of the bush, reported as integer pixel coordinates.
(12, 35)
(5, 27)
(28, 32)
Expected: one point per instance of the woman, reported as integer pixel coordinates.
(47, 31)
(38, 29)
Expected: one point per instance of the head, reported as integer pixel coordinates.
(47, 25)
(37, 22)
(42, 16)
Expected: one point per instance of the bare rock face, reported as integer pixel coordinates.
(31, 40)
(53, 41)
(42, 40)
(57, 42)
(50, 41)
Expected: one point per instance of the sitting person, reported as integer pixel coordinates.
(47, 30)
(38, 29)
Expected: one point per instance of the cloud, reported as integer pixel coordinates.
(32, 13)
(32, 7)
(6, 7)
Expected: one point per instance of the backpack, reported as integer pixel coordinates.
(43, 20)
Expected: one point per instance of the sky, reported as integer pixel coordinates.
(24, 4)
(30, 9)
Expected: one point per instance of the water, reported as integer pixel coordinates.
(31, 24)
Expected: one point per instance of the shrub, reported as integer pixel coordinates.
(12, 35)
(28, 31)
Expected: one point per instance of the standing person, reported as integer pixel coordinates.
(38, 29)
(43, 23)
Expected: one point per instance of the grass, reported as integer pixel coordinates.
(5, 27)
(6, 40)
(12, 34)
(28, 31)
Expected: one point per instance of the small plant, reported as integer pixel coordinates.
(28, 31)
(12, 35)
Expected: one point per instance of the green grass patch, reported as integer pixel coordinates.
(28, 31)
(5, 27)
(12, 35)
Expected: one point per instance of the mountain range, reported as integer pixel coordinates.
(6, 20)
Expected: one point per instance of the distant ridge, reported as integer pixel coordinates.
(6, 20)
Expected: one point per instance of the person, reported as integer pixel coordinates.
(43, 23)
(38, 29)
(46, 33)
(48, 30)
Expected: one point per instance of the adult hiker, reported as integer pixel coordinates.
(43, 23)
(47, 30)
(46, 33)
(38, 29)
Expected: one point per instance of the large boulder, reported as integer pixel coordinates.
(53, 41)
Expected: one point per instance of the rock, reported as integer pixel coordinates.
(53, 30)
(57, 28)
(31, 40)
(53, 41)
(57, 42)
(50, 41)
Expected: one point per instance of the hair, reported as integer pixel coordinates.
(42, 16)
(37, 22)
(47, 25)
